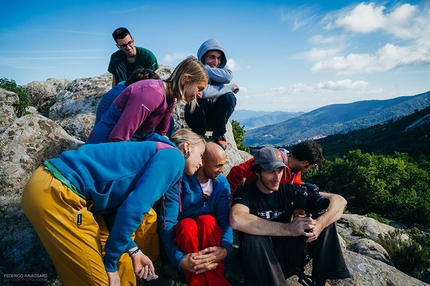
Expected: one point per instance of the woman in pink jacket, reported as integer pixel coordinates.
(147, 105)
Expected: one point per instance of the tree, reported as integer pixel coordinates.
(24, 98)
(239, 135)
(390, 186)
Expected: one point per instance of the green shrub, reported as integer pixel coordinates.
(410, 256)
(24, 98)
(239, 135)
(44, 108)
(390, 186)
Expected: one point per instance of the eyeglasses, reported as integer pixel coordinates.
(124, 46)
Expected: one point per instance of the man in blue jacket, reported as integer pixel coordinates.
(194, 226)
(218, 101)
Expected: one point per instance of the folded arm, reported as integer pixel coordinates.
(242, 220)
(334, 212)
(220, 75)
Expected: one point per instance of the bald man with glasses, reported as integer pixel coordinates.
(128, 57)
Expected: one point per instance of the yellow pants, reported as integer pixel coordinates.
(76, 250)
(146, 237)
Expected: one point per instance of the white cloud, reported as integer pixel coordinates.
(371, 91)
(387, 58)
(342, 84)
(320, 39)
(364, 18)
(319, 54)
(173, 57)
(349, 64)
(404, 21)
(232, 64)
(303, 97)
(321, 87)
(298, 17)
(299, 88)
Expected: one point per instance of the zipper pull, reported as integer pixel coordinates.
(79, 218)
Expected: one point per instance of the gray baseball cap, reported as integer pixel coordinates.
(269, 158)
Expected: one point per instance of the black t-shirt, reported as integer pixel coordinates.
(274, 207)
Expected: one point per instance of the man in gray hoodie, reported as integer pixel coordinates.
(217, 104)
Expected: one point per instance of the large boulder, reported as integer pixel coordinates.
(76, 105)
(164, 71)
(354, 227)
(371, 249)
(44, 93)
(24, 145)
(8, 100)
(366, 271)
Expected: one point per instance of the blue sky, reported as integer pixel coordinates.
(286, 55)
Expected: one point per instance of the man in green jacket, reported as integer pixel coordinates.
(128, 57)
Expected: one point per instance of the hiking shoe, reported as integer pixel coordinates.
(220, 140)
(320, 283)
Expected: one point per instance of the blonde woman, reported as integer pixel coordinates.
(63, 195)
(147, 105)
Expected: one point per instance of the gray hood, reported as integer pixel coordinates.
(211, 45)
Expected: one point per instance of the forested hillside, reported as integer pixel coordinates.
(384, 172)
(410, 134)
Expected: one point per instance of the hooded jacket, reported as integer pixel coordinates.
(242, 174)
(119, 177)
(220, 77)
(191, 204)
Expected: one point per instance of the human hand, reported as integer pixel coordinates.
(316, 231)
(114, 279)
(235, 88)
(219, 252)
(143, 267)
(200, 262)
(302, 226)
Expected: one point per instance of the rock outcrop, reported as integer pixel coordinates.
(8, 100)
(27, 141)
(42, 93)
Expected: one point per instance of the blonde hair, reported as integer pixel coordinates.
(195, 72)
(186, 135)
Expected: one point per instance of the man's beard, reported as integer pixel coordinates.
(266, 186)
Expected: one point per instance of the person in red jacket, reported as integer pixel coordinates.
(303, 157)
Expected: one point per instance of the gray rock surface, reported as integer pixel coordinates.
(24, 145)
(365, 226)
(371, 249)
(8, 100)
(76, 105)
(43, 92)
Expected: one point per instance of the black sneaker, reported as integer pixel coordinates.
(220, 140)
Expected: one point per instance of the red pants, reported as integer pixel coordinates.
(195, 235)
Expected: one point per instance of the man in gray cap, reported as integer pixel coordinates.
(272, 245)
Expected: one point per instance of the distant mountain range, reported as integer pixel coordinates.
(251, 119)
(410, 134)
(333, 119)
